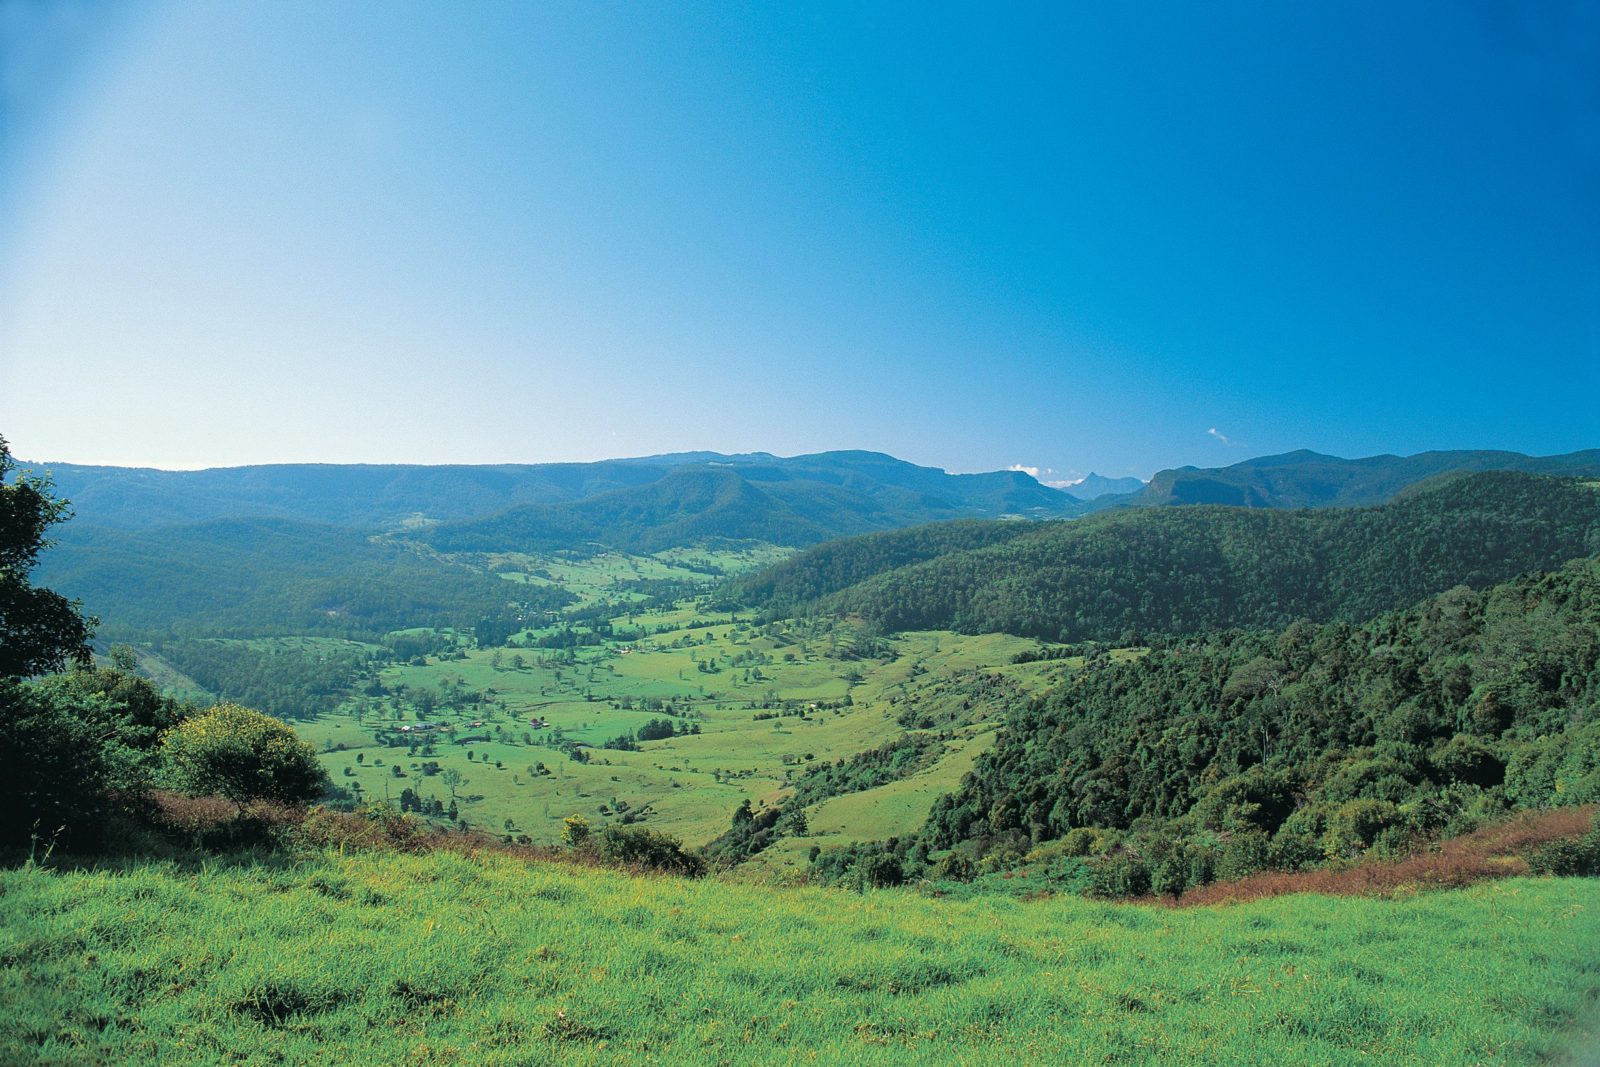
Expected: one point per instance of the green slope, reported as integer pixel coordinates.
(433, 959)
(246, 577)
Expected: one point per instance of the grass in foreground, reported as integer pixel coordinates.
(444, 958)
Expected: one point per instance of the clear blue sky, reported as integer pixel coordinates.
(1077, 236)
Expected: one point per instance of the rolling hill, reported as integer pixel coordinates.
(1237, 751)
(1128, 573)
(241, 577)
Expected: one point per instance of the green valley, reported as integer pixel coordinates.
(965, 743)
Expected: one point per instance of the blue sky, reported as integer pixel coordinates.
(1070, 237)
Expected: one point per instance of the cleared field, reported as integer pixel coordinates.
(899, 807)
(753, 704)
(521, 737)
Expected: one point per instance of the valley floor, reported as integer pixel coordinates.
(441, 958)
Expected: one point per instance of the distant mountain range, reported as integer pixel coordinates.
(801, 501)
(1307, 479)
(795, 500)
(1096, 486)
(337, 547)
(654, 502)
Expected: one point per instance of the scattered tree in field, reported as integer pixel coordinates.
(244, 755)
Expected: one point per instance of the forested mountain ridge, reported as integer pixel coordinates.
(801, 503)
(1131, 573)
(842, 563)
(1305, 479)
(691, 504)
(1241, 750)
(382, 496)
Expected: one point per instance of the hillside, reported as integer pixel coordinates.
(382, 958)
(1306, 479)
(1288, 749)
(319, 548)
(843, 563)
(322, 549)
(268, 576)
(1128, 573)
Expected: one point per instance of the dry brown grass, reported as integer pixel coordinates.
(212, 821)
(1496, 851)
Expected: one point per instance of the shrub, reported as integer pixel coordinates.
(53, 772)
(243, 755)
(1570, 858)
(1355, 825)
(1243, 853)
(880, 871)
(575, 831)
(1084, 841)
(1293, 849)
(1468, 759)
(956, 866)
(1557, 769)
(1121, 874)
(648, 849)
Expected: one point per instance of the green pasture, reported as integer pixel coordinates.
(894, 809)
(383, 958)
(600, 577)
(900, 807)
(747, 749)
(767, 699)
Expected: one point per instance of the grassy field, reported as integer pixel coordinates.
(764, 702)
(381, 958)
(753, 735)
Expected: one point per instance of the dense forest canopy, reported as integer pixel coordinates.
(1238, 750)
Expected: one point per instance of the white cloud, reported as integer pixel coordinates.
(1048, 476)
(1224, 438)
